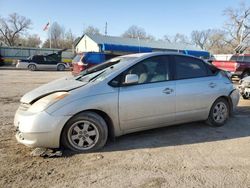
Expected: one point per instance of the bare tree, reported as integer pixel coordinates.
(91, 30)
(216, 42)
(137, 32)
(13, 27)
(200, 38)
(68, 40)
(178, 38)
(238, 26)
(30, 41)
(56, 35)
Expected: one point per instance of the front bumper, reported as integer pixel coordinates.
(39, 130)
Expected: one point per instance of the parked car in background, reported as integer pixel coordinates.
(244, 87)
(43, 62)
(88, 59)
(123, 95)
(238, 65)
(1, 60)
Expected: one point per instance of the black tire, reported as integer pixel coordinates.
(32, 67)
(245, 74)
(72, 136)
(214, 118)
(61, 67)
(244, 96)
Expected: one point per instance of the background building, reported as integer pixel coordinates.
(119, 45)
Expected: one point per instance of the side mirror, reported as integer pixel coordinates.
(131, 79)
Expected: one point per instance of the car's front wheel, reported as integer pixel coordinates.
(32, 67)
(219, 113)
(85, 132)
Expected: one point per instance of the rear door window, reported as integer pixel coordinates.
(188, 67)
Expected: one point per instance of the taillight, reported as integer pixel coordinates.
(237, 65)
(82, 66)
(80, 63)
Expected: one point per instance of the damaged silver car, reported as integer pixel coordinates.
(244, 87)
(124, 95)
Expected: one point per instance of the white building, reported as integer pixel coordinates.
(119, 45)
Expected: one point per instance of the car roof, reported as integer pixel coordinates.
(151, 54)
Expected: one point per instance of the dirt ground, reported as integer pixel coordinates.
(187, 155)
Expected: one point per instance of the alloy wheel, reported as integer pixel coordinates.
(83, 135)
(220, 112)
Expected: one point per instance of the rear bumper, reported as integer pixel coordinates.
(235, 97)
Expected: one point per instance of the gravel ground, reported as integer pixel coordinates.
(187, 155)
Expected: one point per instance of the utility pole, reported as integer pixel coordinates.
(106, 29)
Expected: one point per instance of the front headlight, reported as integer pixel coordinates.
(47, 101)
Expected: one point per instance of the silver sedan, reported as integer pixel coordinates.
(126, 94)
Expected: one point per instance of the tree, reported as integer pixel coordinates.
(200, 38)
(68, 40)
(59, 39)
(137, 32)
(56, 35)
(30, 41)
(13, 27)
(238, 26)
(216, 42)
(91, 30)
(178, 38)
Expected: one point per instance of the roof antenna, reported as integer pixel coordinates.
(106, 29)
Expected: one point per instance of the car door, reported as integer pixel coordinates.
(50, 62)
(150, 102)
(196, 90)
(39, 61)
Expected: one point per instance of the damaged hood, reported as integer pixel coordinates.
(63, 84)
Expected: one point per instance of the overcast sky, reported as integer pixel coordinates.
(157, 17)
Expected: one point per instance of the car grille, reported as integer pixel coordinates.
(24, 106)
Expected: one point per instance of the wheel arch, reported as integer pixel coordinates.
(32, 63)
(229, 100)
(105, 116)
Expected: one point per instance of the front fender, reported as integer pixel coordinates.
(107, 103)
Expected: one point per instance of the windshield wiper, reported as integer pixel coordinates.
(96, 76)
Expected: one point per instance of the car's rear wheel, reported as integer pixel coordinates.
(60, 67)
(219, 113)
(85, 132)
(32, 67)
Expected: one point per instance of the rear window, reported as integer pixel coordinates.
(236, 58)
(247, 58)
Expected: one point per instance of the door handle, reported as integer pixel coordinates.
(168, 91)
(212, 85)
